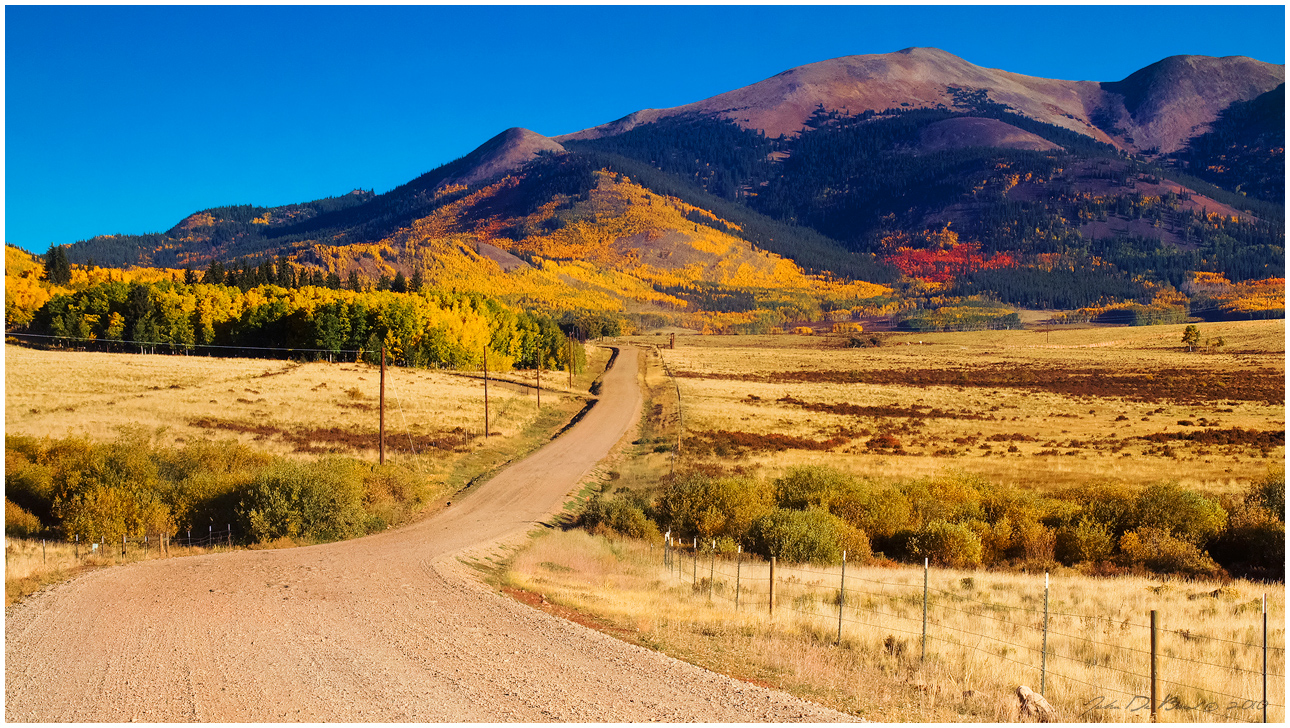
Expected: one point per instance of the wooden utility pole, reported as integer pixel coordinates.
(485, 391)
(382, 404)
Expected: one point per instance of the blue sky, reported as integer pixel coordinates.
(124, 120)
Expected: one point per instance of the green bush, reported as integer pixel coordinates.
(953, 497)
(617, 516)
(1086, 541)
(320, 501)
(1159, 551)
(1182, 512)
(808, 536)
(20, 523)
(29, 485)
(1269, 493)
(697, 503)
(1111, 504)
(945, 544)
(879, 511)
(811, 486)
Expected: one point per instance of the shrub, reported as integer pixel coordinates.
(391, 493)
(1182, 512)
(18, 522)
(30, 485)
(1110, 504)
(812, 535)
(1159, 551)
(880, 512)
(1254, 545)
(1270, 493)
(953, 497)
(320, 501)
(1086, 541)
(708, 506)
(811, 486)
(946, 544)
(618, 516)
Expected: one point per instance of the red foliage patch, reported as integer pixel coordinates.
(941, 265)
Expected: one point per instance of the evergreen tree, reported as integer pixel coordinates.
(333, 281)
(214, 274)
(417, 283)
(354, 283)
(57, 269)
(400, 284)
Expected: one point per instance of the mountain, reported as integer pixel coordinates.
(1159, 107)
(911, 177)
(1167, 103)
(505, 152)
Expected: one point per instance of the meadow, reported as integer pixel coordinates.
(100, 446)
(1083, 453)
(1033, 408)
(985, 632)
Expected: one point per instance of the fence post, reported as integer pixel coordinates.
(230, 535)
(694, 566)
(842, 596)
(924, 657)
(77, 547)
(1043, 656)
(43, 560)
(738, 567)
(1265, 657)
(1153, 666)
(667, 549)
(123, 545)
(145, 545)
(712, 572)
(772, 587)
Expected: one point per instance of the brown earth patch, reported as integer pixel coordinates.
(890, 410)
(320, 440)
(1160, 385)
(1264, 439)
(724, 443)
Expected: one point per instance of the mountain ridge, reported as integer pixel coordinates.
(924, 78)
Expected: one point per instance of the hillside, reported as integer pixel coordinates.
(921, 178)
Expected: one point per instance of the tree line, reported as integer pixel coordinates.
(424, 329)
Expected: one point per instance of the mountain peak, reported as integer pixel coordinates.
(504, 153)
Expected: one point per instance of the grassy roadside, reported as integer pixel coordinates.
(615, 588)
(619, 586)
(31, 567)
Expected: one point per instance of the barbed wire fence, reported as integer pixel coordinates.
(1115, 664)
(148, 545)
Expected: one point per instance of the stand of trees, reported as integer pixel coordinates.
(418, 329)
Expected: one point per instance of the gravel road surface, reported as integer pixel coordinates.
(385, 628)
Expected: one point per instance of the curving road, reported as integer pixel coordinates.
(385, 628)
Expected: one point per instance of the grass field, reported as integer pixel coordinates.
(434, 419)
(283, 407)
(1029, 408)
(985, 632)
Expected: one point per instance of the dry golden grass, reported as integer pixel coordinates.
(984, 632)
(61, 393)
(1078, 436)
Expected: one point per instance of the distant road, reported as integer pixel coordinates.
(384, 628)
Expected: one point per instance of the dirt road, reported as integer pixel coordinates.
(385, 628)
